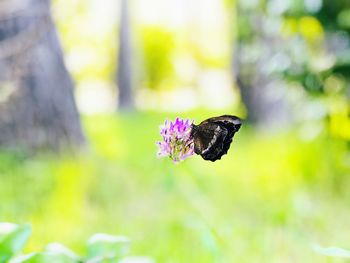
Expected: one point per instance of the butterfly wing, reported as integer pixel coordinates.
(231, 123)
(209, 140)
(213, 137)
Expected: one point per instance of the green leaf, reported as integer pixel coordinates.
(44, 257)
(332, 251)
(59, 249)
(12, 239)
(103, 246)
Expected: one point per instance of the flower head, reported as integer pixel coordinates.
(177, 142)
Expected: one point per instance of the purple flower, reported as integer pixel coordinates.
(177, 142)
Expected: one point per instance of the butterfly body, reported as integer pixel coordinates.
(212, 137)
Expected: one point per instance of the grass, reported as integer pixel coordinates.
(269, 200)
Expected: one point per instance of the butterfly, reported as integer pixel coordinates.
(212, 137)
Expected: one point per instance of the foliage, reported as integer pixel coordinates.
(157, 45)
(316, 31)
(12, 239)
(100, 247)
(310, 43)
(323, 68)
(333, 252)
(325, 37)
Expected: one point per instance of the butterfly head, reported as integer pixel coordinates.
(194, 129)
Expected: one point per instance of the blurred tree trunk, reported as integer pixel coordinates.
(124, 72)
(262, 93)
(38, 110)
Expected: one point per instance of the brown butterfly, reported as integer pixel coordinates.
(212, 137)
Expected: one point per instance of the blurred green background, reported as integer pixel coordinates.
(283, 66)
